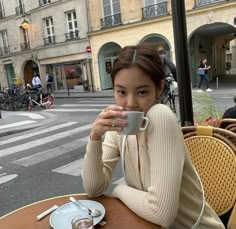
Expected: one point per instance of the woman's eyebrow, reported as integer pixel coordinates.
(141, 86)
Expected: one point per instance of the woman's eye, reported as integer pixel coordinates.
(142, 92)
(120, 92)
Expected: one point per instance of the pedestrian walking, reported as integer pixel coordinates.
(228, 66)
(49, 81)
(202, 72)
(36, 82)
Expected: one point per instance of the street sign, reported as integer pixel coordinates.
(88, 49)
(88, 54)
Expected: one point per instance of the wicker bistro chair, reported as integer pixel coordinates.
(228, 124)
(214, 156)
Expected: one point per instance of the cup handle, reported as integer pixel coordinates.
(146, 124)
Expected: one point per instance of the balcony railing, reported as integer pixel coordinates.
(207, 2)
(155, 10)
(4, 50)
(72, 35)
(20, 10)
(49, 40)
(25, 45)
(44, 2)
(111, 20)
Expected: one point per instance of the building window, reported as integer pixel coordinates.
(19, 7)
(111, 11)
(2, 15)
(44, 2)
(153, 8)
(49, 31)
(72, 26)
(4, 47)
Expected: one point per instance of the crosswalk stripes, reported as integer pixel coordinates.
(73, 168)
(88, 106)
(15, 124)
(38, 142)
(46, 130)
(63, 131)
(50, 153)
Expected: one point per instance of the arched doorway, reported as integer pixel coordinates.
(30, 68)
(157, 41)
(210, 41)
(106, 58)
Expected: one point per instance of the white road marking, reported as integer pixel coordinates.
(73, 110)
(31, 115)
(38, 142)
(51, 153)
(6, 178)
(74, 168)
(17, 124)
(83, 105)
(46, 130)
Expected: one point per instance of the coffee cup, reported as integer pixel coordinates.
(135, 122)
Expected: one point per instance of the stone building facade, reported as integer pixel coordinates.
(54, 40)
(210, 26)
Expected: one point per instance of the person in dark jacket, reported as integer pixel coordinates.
(203, 76)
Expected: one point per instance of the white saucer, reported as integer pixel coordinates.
(61, 218)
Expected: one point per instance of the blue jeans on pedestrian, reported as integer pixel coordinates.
(202, 78)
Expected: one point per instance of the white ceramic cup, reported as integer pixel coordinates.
(134, 123)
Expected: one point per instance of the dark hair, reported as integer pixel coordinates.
(203, 58)
(144, 57)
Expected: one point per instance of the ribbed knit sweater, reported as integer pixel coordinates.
(162, 186)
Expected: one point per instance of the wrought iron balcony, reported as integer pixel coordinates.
(155, 10)
(4, 50)
(73, 35)
(20, 10)
(25, 45)
(44, 2)
(49, 40)
(207, 2)
(111, 20)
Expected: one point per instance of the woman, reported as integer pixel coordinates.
(204, 76)
(161, 183)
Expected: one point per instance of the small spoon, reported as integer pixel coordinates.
(93, 212)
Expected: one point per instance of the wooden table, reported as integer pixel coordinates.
(117, 216)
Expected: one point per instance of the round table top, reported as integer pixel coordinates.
(117, 214)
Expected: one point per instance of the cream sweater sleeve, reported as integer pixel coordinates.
(99, 162)
(167, 154)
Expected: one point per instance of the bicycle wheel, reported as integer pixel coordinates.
(48, 102)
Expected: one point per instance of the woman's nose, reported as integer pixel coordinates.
(131, 102)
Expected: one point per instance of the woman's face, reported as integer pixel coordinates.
(204, 61)
(134, 90)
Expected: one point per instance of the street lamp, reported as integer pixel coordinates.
(25, 25)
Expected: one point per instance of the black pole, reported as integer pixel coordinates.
(182, 62)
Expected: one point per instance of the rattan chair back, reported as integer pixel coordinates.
(228, 124)
(213, 154)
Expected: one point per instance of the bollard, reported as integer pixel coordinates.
(68, 89)
(217, 82)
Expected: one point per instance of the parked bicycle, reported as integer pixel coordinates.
(168, 95)
(38, 99)
(13, 99)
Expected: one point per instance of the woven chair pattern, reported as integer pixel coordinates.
(216, 164)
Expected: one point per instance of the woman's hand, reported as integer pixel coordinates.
(108, 120)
